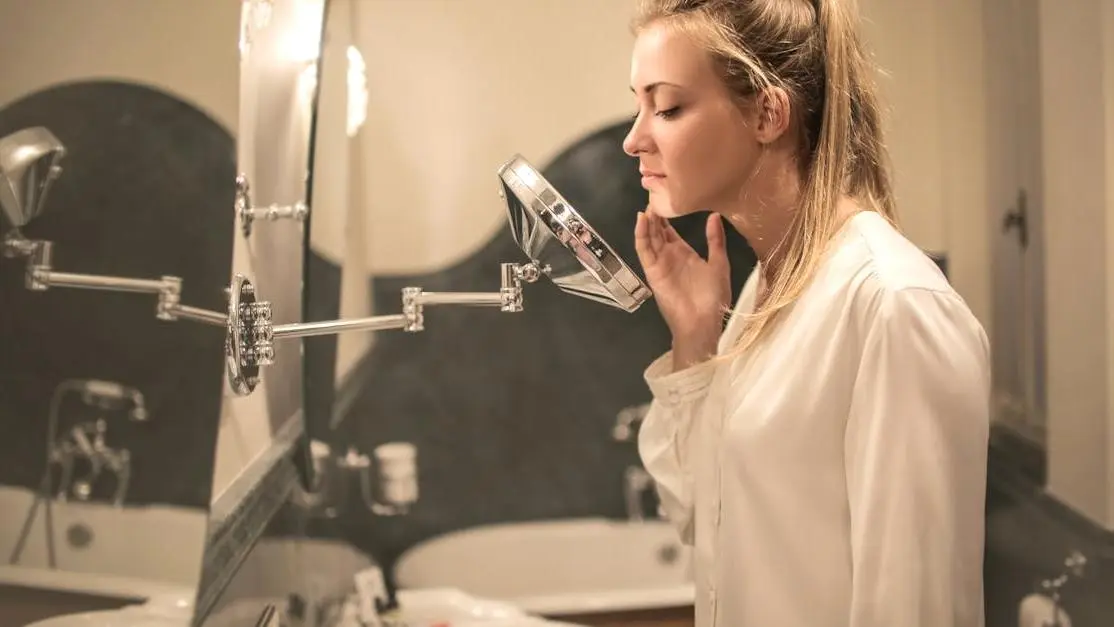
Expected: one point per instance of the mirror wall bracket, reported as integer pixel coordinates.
(248, 212)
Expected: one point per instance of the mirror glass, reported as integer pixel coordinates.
(109, 415)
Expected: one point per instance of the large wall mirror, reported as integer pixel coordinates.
(108, 415)
(137, 471)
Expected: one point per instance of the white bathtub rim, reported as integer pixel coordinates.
(577, 603)
(568, 603)
(569, 525)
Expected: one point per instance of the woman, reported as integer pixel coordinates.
(826, 452)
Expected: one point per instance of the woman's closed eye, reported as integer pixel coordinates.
(670, 113)
(666, 114)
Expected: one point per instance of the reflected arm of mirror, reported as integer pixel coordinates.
(29, 165)
(42, 276)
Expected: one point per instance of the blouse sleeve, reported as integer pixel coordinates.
(664, 438)
(915, 454)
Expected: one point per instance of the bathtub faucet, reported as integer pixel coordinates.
(636, 483)
(86, 443)
(625, 421)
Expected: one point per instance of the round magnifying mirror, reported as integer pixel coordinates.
(562, 243)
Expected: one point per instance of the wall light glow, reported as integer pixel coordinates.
(304, 41)
(357, 91)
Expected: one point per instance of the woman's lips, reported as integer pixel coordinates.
(649, 178)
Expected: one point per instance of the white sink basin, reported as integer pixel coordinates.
(419, 608)
(558, 567)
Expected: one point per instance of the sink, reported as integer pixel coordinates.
(578, 566)
(418, 608)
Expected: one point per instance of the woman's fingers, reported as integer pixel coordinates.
(657, 237)
(643, 242)
(668, 232)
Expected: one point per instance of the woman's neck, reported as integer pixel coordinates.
(767, 226)
(764, 213)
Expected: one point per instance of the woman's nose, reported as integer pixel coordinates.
(632, 143)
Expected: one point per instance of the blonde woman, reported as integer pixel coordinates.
(825, 453)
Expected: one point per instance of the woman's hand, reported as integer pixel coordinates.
(692, 293)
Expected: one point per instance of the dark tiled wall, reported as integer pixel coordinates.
(147, 190)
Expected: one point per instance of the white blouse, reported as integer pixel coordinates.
(835, 474)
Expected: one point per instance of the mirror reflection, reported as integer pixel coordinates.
(119, 167)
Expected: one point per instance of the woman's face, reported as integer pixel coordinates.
(695, 145)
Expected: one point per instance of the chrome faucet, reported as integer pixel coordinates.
(86, 442)
(636, 481)
(626, 421)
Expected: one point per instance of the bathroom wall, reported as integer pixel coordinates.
(96, 78)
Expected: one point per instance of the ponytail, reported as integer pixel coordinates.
(827, 177)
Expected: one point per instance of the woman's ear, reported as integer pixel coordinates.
(773, 109)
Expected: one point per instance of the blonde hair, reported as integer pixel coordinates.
(811, 49)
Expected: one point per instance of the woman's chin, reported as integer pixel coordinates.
(662, 207)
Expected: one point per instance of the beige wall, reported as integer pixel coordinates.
(1077, 65)
(1107, 55)
(65, 40)
(457, 89)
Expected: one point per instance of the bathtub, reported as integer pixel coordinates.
(154, 544)
(558, 567)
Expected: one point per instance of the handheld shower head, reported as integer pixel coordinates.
(28, 165)
(105, 394)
